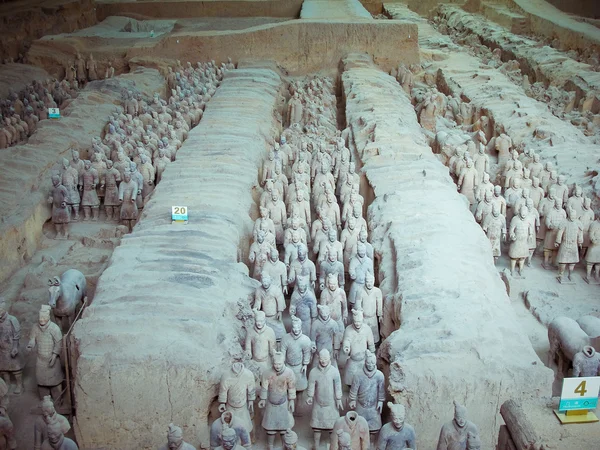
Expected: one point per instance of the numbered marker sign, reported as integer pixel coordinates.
(53, 113)
(579, 393)
(179, 213)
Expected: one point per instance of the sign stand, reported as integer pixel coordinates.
(578, 399)
(179, 214)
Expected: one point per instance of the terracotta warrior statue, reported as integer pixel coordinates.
(229, 421)
(290, 441)
(92, 68)
(592, 255)
(335, 298)
(357, 339)
(303, 305)
(70, 179)
(46, 337)
(325, 334)
(269, 299)
(555, 215)
(128, 191)
(297, 347)
(56, 439)
(60, 211)
(229, 439)
(112, 178)
(494, 226)
(331, 265)
(175, 440)
(88, 180)
(586, 363)
(237, 393)
(302, 267)
(356, 427)
(398, 435)
(454, 433)
(325, 395)
(277, 397)
(260, 342)
(370, 300)
(10, 359)
(258, 254)
(367, 393)
(520, 232)
(360, 266)
(568, 241)
(49, 416)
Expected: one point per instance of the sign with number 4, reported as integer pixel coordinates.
(579, 393)
(179, 214)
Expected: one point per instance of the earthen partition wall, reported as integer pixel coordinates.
(152, 347)
(457, 336)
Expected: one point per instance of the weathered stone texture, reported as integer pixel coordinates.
(152, 347)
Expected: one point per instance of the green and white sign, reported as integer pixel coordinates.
(579, 393)
(53, 113)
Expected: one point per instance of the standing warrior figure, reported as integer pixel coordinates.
(56, 439)
(47, 337)
(70, 178)
(128, 190)
(60, 211)
(260, 342)
(277, 396)
(356, 427)
(324, 386)
(237, 394)
(568, 240)
(521, 232)
(370, 300)
(296, 347)
(360, 266)
(112, 177)
(269, 299)
(49, 416)
(10, 360)
(175, 440)
(303, 305)
(454, 434)
(367, 393)
(357, 339)
(229, 421)
(398, 435)
(88, 180)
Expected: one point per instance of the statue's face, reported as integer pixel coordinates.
(369, 283)
(398, 419)
(48, 413)
(278, 366)
(460, 419)
(297, 328)
(174, 442)
(266, 282)
(228, 444)
(362, 251)
(324, 360)
(43, 319)
(301, 254)
(371, 364)
(357, 322)
(260, 323)
(54, 435)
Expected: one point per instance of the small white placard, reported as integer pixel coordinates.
(179, 213)
(53, 113)
(579, 393)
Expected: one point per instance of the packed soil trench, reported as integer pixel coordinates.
(339, 220)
